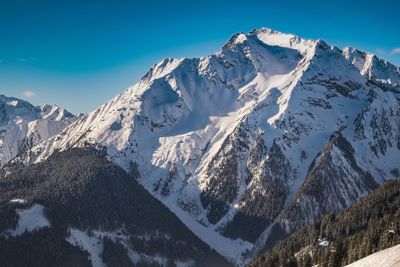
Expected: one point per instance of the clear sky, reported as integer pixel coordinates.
(79, 54)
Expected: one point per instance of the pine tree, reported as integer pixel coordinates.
(307, 260)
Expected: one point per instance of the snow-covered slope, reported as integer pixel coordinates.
(23, 125)
(377, 70)
(227, 141)
(389, 257)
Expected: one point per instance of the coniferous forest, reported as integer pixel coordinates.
(80, 189)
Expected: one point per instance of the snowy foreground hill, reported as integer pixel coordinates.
(252, 142)
(389, 257)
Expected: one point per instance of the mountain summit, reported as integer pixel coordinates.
(253, 142)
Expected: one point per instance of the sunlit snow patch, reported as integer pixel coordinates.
(29, 219)
(93, 245)
(18, 201)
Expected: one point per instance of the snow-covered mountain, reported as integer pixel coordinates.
(23, 125)
(271, 130)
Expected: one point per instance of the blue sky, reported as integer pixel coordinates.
(79, 55)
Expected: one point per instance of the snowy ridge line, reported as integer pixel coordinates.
(23, 125)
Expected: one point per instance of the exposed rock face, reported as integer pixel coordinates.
(265, 196)
(225, 175)
(334, 183)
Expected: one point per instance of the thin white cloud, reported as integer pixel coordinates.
(29, 94)
(1, 61)
(22, 59)
(395, 51)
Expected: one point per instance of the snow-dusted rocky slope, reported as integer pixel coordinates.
(272, 129)
(23, 125)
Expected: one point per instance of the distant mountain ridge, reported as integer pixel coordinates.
(259, 133)
(23, 125)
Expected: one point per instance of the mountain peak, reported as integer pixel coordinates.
(269, 31)
(276, 38)
(15, 102)
(54, 112)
